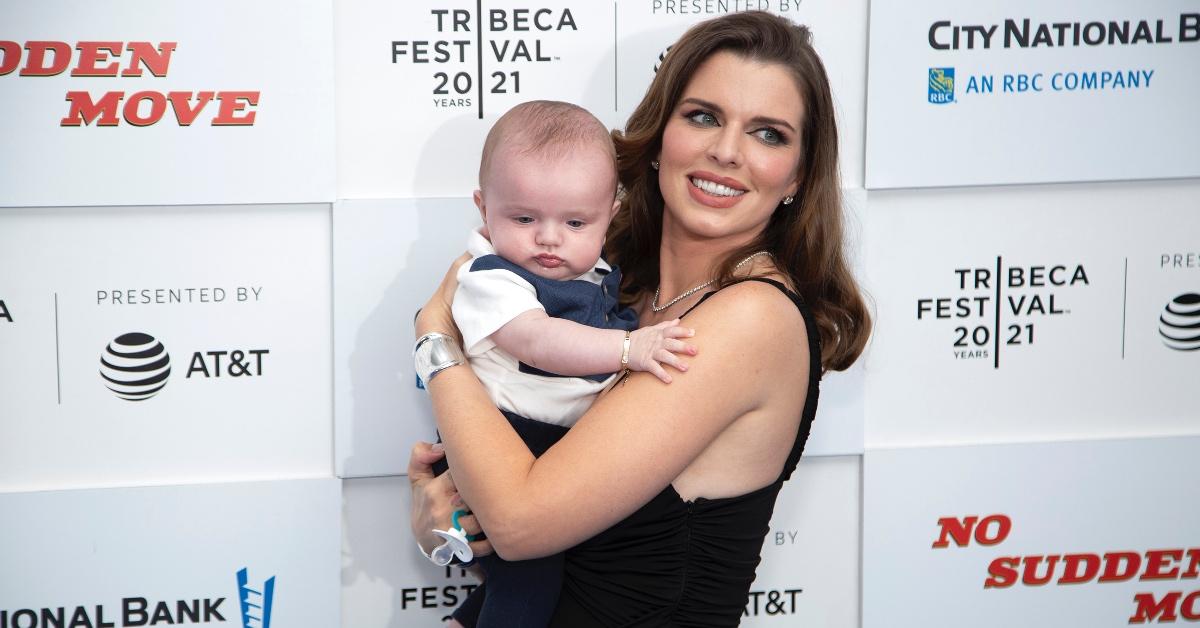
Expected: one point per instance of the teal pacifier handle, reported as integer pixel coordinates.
(454, 522)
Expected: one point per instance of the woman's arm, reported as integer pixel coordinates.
(632, 443)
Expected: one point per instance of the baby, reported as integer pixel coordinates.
(538, 311)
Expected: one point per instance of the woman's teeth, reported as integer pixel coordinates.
(716, 189)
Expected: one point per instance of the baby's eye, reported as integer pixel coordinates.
(575, 224)
(523, 220)
(771, 135)
(702, 118)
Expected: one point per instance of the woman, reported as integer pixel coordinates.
(731, 218)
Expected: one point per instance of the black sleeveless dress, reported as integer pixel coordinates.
(678, 563)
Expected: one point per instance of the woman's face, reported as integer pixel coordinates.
(731, 149)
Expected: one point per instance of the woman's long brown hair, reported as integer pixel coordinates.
(806, 236)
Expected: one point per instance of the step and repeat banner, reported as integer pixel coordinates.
(133, 103)
(997, 547)
(1035, 314)
(162, 345)
(217, 222)
(1031, 92)
(809, 574)
(420, 83)
(250, 555)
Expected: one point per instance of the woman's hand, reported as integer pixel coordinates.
(436, 315)
(434, 500)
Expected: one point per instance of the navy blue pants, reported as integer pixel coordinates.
(522, 593)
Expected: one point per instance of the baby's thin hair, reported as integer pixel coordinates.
(548, 128)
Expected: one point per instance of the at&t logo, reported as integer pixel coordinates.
(1179, 324)
(135, 366)
(941, 85)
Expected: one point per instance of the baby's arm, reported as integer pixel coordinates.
(568, 348)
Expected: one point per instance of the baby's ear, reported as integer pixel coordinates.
(478, 196)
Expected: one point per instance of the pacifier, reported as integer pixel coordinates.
(455, 544)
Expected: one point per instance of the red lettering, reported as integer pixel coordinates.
(35, 64)
(1003, 527)
(1030, 577)
(158, 106)
(1002, 573)
(1188, 608)
(85, 111)
(1149, 610)
(1193, 569)
(90, 54)
(1112, 566)
(155, 59)
(959, 530)
(1071, 563)
(183, 112)
(12, 56)
(1156, 560)
(233, 102)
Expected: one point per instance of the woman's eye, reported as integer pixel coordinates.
(575, 224)
(702, 118)
(523, 220)
(770, 135)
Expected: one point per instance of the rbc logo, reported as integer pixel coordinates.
(941, 85)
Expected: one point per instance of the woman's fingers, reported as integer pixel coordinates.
(421, 459)
(469, 524)
(481, 548)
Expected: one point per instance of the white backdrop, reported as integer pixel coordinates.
(1058, 99)
(273, 144)
(306, 240)
(100, 551)
(1098, 498)
(204, 280)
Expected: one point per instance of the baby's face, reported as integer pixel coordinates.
(549, 216)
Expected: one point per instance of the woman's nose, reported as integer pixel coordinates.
(725, 148)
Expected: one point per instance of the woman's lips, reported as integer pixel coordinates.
(711, 200)
(548, 261)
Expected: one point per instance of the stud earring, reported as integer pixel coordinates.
(787, 200)
(654, 164)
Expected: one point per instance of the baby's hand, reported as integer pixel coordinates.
(651, 347)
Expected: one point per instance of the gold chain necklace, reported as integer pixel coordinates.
(656, 308)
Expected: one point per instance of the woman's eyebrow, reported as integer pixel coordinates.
(756, 119)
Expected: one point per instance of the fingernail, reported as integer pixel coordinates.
(438, 447)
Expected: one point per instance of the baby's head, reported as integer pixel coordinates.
(547, 188)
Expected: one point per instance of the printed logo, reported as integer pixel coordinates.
(941, 85)
(998, 307)
(255, 603)
(4, 313)
(1179, 324)
(662, 56)
(513, 43)
(135, 366)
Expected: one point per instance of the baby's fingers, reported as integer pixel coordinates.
(678, 346)
(662, 356)
(658, 371)
(675, 331)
